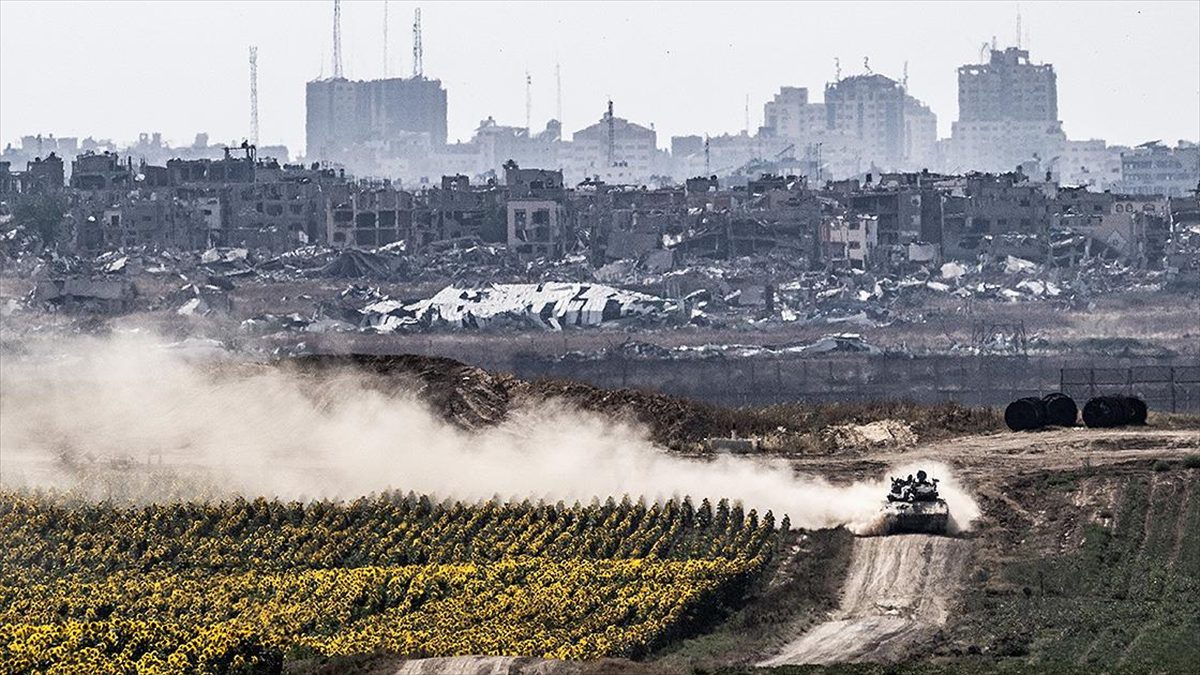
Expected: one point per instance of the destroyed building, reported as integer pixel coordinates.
(850, 241)
(537, 212)
(456, 210)
(43, 175)
(366, 216)
(1155, 169)
(1004, 214)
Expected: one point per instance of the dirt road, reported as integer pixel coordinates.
(982, 459)
(899, 589)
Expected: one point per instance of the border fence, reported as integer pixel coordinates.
(1173, 388)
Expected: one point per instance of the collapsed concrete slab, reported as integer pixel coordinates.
(552, 306)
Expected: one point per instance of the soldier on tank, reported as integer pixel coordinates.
(924, 489)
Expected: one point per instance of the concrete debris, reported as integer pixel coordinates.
(86, 294)
(230, 255)
(1015, 265)
(355, 264)
(550, 306)
(953, 270)
(844, 343)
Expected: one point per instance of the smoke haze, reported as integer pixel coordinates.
(215, 427)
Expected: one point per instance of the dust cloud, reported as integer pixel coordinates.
(212, 426)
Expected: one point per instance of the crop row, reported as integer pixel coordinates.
(170, 622)
(58, 537)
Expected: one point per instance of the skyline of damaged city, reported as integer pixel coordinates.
(745, 64)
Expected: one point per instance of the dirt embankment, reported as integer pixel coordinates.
(472, 397)
(897, 593)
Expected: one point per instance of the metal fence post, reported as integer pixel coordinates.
(1172, 368)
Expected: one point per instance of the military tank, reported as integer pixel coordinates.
(914, 506)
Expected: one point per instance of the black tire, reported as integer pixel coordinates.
(1025, 414)
(1060, 410)
(1106, 411)
(1137, 410)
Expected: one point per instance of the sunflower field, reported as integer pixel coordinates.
(240, 586)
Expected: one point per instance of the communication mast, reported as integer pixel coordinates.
(254, 95)
(1018, 25)
(337, 39)
(528, 103)
(612, 133)
(418, 51)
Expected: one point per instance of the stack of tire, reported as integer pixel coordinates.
(1114, 411)
(1032, 412)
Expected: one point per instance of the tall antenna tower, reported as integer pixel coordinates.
(747, 114)
(557, 92)
(707, 167)
(418, 50)
(528, 103)
(385, 39)
(612, 133)
(254, 95)
(1018, 25)
(337, 39)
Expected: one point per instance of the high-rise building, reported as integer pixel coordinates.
(1156, 169)
(1007, 114)
(342, 114)
(613, 149)
(889, 129)
(790, 115)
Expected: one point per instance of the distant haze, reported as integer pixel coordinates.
(1127, 72)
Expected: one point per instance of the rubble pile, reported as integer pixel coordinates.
(841, 343)
(550, 306)
(489, 285)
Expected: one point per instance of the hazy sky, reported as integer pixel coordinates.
(1127, 72)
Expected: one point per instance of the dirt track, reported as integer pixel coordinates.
(979, 460)
(899, 590)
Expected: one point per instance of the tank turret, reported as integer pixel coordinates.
(914, 505)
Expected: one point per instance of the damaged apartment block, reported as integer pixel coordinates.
(536, 210)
